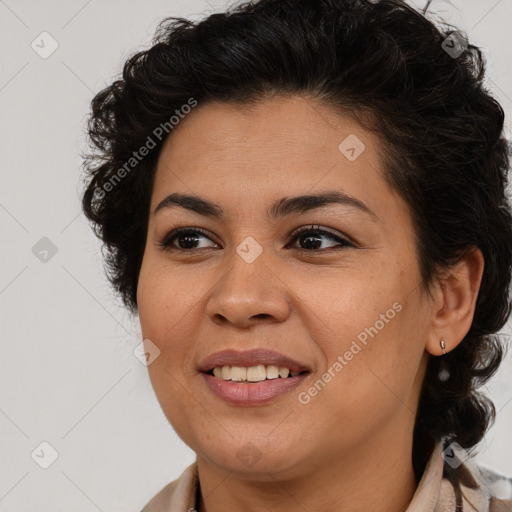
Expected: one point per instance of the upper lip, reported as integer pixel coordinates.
(250, 358)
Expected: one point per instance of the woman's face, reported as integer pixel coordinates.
(343, 299)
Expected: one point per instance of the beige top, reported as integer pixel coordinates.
(449, 484)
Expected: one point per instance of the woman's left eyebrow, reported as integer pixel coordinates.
(281, 208)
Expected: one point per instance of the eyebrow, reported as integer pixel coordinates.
(281, 208)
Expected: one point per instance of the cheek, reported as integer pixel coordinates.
(171, 307)
(166, 298)
(165, 319)
(370, 329)
(342, 304)
(371, 370)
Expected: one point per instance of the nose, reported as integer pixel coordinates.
(249, 293)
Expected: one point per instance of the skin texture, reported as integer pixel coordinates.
(310, 305)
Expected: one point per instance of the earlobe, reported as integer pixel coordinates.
(454, 305)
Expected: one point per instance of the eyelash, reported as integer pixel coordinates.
(165, 244)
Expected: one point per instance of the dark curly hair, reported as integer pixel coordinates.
(387, 65)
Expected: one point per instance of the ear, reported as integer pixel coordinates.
(454, 302)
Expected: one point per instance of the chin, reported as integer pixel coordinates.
(255, 461)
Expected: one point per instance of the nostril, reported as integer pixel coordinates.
(262, 316)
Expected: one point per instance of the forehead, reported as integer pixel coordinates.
(281, 146)
(276, 124)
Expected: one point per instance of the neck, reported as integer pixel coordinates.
(378, 475)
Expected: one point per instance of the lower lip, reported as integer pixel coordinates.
(251, 393)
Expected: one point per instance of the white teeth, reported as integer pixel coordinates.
(272, 372)
(253, 373)
(256, 373)
(238, 373)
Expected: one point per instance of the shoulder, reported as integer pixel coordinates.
(176, 496)
(473, 485)
(497, 486)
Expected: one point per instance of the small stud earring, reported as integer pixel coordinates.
(443, 346)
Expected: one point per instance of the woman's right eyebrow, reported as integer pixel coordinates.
(281, 208)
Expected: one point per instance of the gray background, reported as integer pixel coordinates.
(68, 375)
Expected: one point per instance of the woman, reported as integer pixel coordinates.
(304, 202)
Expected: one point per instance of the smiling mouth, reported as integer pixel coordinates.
(252, 374)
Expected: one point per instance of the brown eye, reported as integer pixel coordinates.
(312, 238)
(187, 239)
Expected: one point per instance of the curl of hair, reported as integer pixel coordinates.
(383, 63)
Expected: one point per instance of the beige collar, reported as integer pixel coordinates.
(442, 488)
